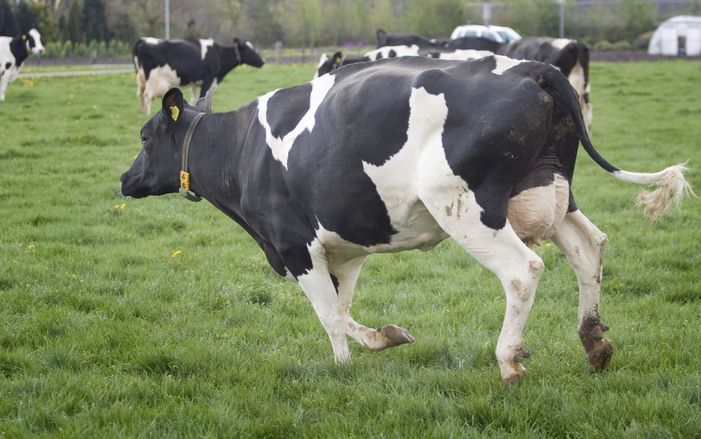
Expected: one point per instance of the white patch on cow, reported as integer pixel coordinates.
(205, 45)
(465, 54)
(281, 147)
(397, 179)
(397, 51)
(151, 40)
(578, 82)
(505, 63)
(560, 43)
(250, 46)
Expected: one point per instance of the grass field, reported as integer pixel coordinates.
(160, 318)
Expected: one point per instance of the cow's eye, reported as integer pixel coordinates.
(144, 139)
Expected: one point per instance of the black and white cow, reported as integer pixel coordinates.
(162, 64)
(328, 64)
(394, 155)
(570, 56)
(13, 52)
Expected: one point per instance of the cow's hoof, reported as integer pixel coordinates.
(396, 335)
(516, 376)
(600, 354)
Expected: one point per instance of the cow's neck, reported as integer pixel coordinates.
(230, 58)
(214, 162)
(18, 46)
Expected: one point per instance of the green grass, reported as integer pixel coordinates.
(103, 333)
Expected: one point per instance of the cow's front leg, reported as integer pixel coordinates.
(4, 80)
(346, 274)
(319, 288)
(583, 244)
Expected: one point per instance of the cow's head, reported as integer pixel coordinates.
(247, 53)
(327, 64)
(33, 40)
(156, 169)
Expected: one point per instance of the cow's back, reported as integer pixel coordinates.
(361, 121)
(182, 56)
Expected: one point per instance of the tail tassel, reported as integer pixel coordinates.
(670, 188)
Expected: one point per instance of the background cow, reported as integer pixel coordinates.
(570, 56)
(202, 64)
(13, 52)
(394, 155)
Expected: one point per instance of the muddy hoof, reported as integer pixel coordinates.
(515, 377)
(600, 355)
(396, 335)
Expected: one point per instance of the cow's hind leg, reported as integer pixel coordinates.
(583, 244)
(518, 268)
(372, 339)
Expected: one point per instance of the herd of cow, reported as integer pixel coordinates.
(390, 155)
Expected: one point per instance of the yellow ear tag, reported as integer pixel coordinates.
(185, 180)
(174, 112)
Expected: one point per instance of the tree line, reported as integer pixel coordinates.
(310, 23)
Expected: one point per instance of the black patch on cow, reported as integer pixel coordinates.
(331, 179)
(334, 280)
(295, 103)
(18, 47)
(8, 65)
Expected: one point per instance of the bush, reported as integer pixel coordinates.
(67, 49)
(603, 45)
(642, 41)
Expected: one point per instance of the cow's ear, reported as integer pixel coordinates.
(205, 103)
(236, 41)
(173, 104)
(337, 58)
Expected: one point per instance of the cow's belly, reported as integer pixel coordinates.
(416, 229)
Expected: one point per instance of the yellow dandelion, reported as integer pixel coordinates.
(176, 253)
(120, 206)
(31, 248)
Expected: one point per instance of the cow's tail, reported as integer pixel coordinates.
(669, 184)
(134, 54)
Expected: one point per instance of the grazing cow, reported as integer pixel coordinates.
(162, 64)
(388, 39)
(13, 52)
(328, 64)
(570, 56)
(394, 155)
